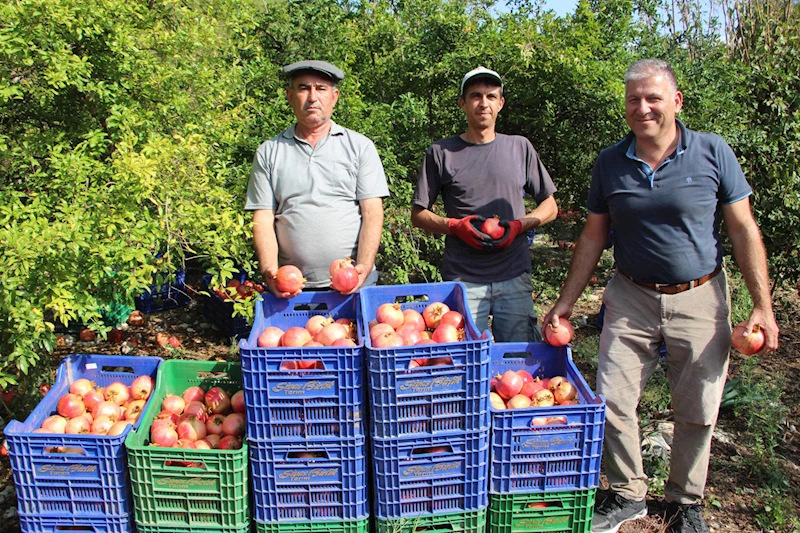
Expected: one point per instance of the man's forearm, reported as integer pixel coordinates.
(265, 241)
(545, 212)
(751, 256)
(427, 220)
(588, 250)
(369, 237)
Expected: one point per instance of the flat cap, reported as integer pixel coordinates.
(480, 72)
(323, 67)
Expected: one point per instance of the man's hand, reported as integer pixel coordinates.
(558, 312)
(766, 321)
(467, 230)
(270, 276)
(513, 229)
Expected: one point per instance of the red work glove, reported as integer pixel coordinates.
(513, 229)
(467, 230)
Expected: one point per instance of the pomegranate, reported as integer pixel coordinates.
(162, 339)
(543, 398)
(92, 398)
(213, 440)
(310, 344)
(229, 442)
(340, 263)
(387, 340)
(196, 409)
(163, 436)
(454, 318)
(410, 334)
(391, 314)
(343, 342)
(315, 324)
(344, 279)
(270, 337)
(191, 429)
(118, 428)
(295, 336)
(331, 333)
(217, 400)
(526, 376)
(234, 424)
(168, 416)
(565, 391)
(202, 444)
(380, 329)
(174, 342)
(496, 401)
(532, 387)
(87, 335)
(81, 387)
(433, 314)
(70, 406)
(193, 394)
(214, 424)
(445, 333)
(115, 336)
(413, 318)
(109, 409)
(747, 344)
(439, 361)
(141, 388)
(560, 335)
(289, 279)
(117, 392)
(519, 401)
(54, 424)
(173, 404)
(136, 319)
(101, 425)
(134, 410)
(492, 227)
(237, 402)
(509, 384)
(555, 381)
(77, 426)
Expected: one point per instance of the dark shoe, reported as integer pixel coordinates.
(614, 511)
(686, 518)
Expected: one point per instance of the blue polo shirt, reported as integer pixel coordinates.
(666, 220)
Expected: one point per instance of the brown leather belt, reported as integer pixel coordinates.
(674, 288)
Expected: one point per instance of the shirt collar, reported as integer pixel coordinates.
(682, 141)
(336, 129)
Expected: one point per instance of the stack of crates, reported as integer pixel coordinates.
(219, 312)
(75, 482)
(183, 490)
(169, 295)
(305, 422)
(545, 463)
(429, 422)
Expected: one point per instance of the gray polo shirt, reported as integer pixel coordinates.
(314, 193)
(666, 221)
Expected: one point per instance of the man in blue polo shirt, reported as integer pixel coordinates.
(316, 189)
(665, 189)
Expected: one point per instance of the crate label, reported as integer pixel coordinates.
(316, 388)
(432, 384)
(543, 523)
(71, 471)
(198, 484)
(296, 475)
(436, 469)
(550, 443)
(91, 366)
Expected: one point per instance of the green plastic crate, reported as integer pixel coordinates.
(467, 522)
(158, 529)
(345, 526)
(563, 512)
(212, 493)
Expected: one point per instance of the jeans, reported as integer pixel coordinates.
(510, 303)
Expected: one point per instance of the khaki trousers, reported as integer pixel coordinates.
(695, 325)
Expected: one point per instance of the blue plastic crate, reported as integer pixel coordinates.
(220, 312)
(169, 295)
(426, 400)
(317, 404)
(529, 455)
(430, 475)
(289, 487)
(108, 524)
(82, 476)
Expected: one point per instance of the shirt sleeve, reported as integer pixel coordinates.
(596, 201)
(259, 189)
(538, 183)
(429, 180)
(371, 176)
(733, 185)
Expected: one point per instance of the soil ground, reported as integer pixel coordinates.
(734, 498)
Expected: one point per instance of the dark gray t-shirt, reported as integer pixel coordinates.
(666, 222)
(483, 179)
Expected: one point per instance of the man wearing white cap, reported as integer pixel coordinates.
(317, 188)
(481, 174)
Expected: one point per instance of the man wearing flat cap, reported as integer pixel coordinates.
(316, 189)
(481, 174)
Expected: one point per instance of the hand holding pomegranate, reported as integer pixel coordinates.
(747, 336)
(285, 282)
(512, 229)
(467, 230)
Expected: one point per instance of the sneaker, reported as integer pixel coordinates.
(686, 518)
(614, 511)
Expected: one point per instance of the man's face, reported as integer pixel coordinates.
(481, 104)
(651, 106)
(312, 97)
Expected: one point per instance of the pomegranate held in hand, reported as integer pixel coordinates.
(289, 279)
(750, 344)
(492, 228)
(561, 335)
(344, 278)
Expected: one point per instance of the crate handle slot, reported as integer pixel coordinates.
(412, 298)
(437, 528)
(307, 455)
(299, 364)
(185, 464)
(429, 450)
(540, 421)
(516, 355)
(118, 369)
(65, 450)
(90, 529)
(543, 505)
(425, 362)
(315, 306)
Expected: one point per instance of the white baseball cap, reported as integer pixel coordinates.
(482, 72)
